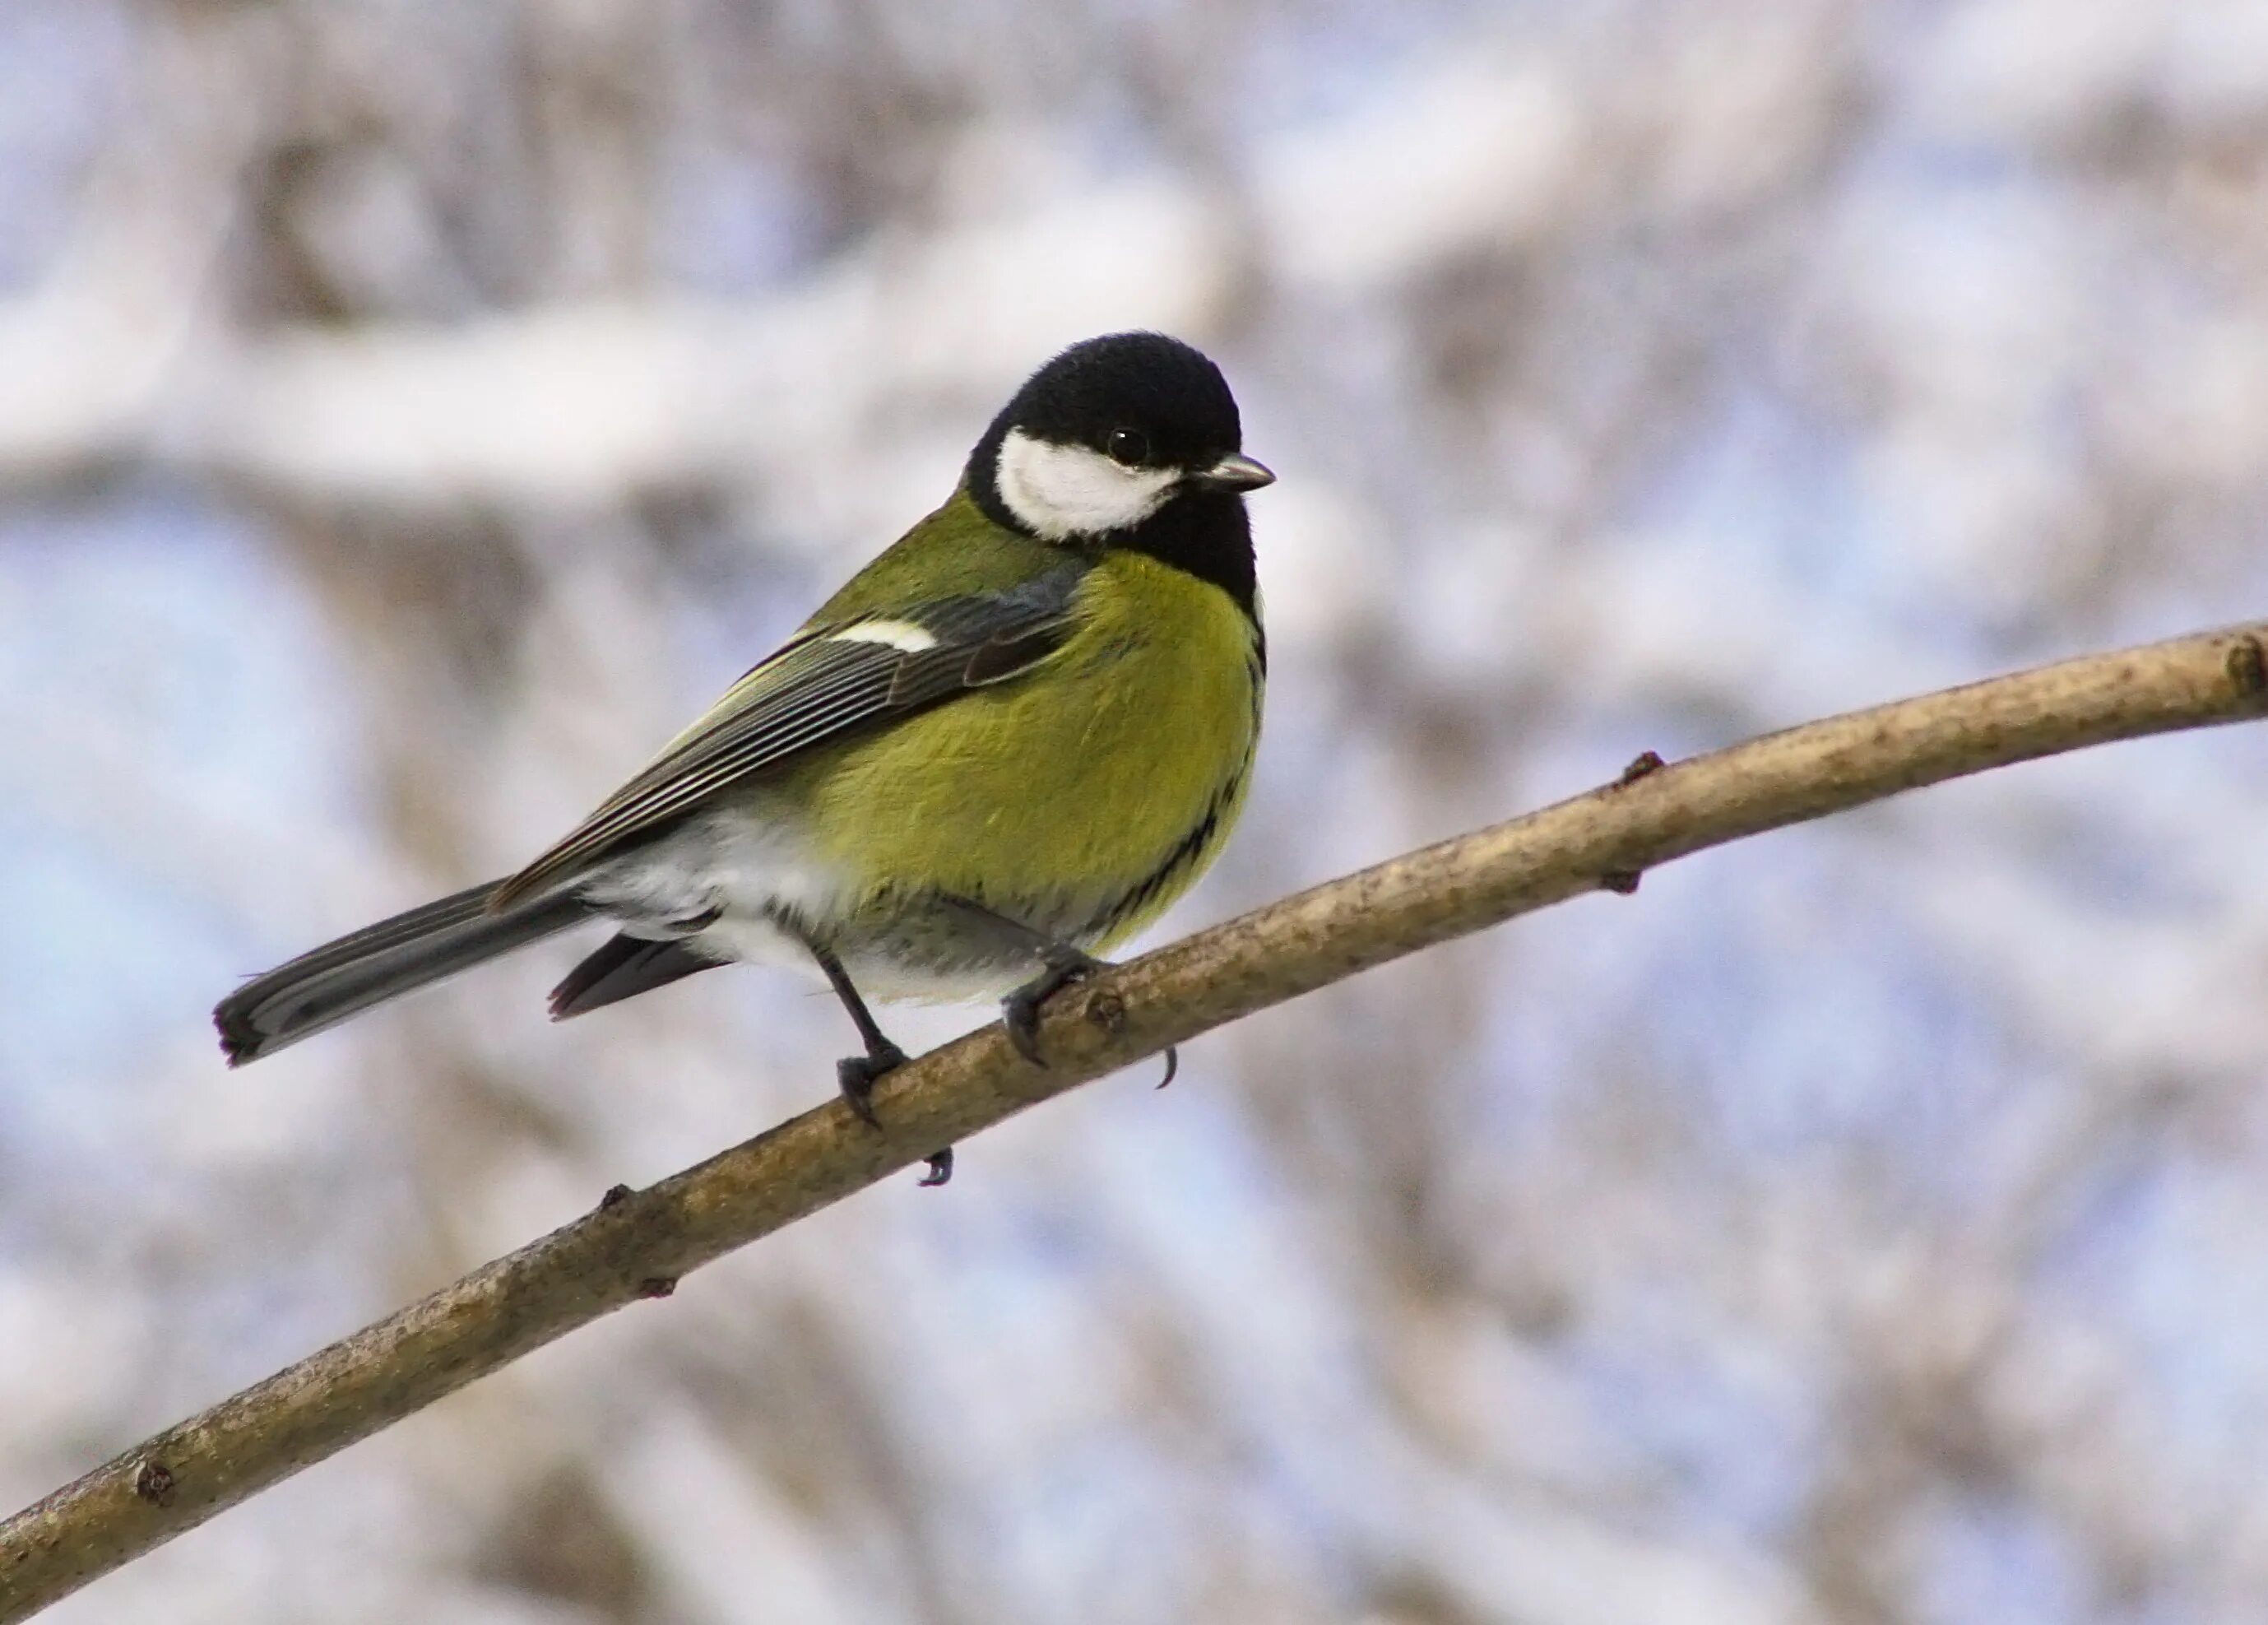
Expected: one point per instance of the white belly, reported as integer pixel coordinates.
(744, 874)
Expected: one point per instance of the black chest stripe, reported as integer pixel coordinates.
(1192, 847)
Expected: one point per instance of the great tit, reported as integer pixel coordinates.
(1008, 744)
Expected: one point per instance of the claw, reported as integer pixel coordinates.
(1020, 1009)
(856, 1076)
(1173, 1065)
(1023, 1022)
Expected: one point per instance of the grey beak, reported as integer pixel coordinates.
(1235, 472)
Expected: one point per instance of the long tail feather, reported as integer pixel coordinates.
(377, 962)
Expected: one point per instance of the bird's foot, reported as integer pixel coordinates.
(1020, 1009)
(856, 1074)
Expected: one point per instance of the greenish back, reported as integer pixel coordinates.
(953, 551)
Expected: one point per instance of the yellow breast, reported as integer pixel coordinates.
(1092, 790)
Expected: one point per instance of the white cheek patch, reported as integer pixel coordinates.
(901, 635)
(1060, 491)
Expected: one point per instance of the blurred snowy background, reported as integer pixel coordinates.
(411, 411)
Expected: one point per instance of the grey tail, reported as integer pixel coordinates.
(626, 965)
(379, 963)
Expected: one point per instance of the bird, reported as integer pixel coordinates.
(1007, 744)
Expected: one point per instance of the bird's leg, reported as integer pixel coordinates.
(1061, 963)
(856, 1074)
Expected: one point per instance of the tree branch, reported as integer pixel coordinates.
(637, 1244)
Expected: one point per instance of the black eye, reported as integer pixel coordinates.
(1129, 446)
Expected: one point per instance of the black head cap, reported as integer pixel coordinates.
(1147, 384)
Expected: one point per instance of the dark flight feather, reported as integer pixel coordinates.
(822, 685)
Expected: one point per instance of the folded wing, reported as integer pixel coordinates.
(826, 683)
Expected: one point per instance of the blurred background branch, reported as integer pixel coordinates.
(411, 411)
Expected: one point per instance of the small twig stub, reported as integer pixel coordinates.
(154, 1482)
(1641, 765)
